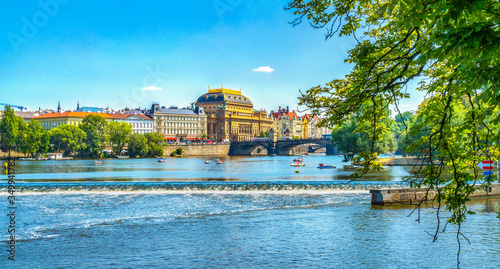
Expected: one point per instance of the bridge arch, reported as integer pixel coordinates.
(247, 148)
(286, 148)
(280, 147)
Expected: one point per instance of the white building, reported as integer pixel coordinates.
(141, 124)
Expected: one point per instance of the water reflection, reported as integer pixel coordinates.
(259, 168)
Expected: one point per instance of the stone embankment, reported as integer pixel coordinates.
(414, 196)
(199, 150)
(402, 161)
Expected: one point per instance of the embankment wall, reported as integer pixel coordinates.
(199, 150)
(414, 196)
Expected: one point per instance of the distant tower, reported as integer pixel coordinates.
(77, 104)
(59, 106)
(272, 135)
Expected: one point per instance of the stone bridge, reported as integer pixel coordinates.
(280, 147)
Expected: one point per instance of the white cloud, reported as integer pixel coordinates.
(265, 69)
(152, 88)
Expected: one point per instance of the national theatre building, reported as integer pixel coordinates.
(230, 115)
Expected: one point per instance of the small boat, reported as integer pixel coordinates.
(207, 161)
(220, 162)
(298, 164)
(97, 162)
(274, 154)
(162, 160)
(330, 166)
(350, 167)
(305, 154)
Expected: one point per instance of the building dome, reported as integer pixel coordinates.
(221, 95)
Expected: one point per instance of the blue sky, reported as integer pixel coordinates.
(104, 52)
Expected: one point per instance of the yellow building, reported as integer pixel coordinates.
(52, 120)
(305, 127)
(231, 117)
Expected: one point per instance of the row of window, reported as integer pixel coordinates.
(180, 125)
(178, 118)
(51, 124)
(141, 125)
(143, 131)
(57, 123)
(177, 131)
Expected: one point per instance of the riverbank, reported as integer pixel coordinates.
(198, 150)
(402, 161)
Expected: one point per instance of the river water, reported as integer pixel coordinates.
(252, 212)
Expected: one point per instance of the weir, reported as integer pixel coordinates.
(415, 195)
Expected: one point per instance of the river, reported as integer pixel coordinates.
(252, 212)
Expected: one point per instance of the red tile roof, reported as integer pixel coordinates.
(124, 116)
(71, 114)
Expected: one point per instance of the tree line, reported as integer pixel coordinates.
(405, 134)
(89, 139)
(355, 136)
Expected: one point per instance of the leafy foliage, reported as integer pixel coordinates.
(32, 138)
(137, 145)
(451, 49)
(67, 138)
(155, 144)
(119, 133)
(95, 128)
(353, 137)
(176, 152)
(11, 128)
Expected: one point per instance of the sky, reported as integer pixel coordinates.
(129, 54)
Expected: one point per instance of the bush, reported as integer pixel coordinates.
(176, 152)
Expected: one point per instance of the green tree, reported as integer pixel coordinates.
(155, 144)
(12, 130)
(354, 136)
(264, 134)
(137, 145)
(119, 133)
(403, 121)
(22, 138)
(44, 143)
(33, 135)
(95, 128)
(67, 138)
(450, 49)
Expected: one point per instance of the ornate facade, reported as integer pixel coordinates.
(231, 117)
(288, 124)
(178, 124)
